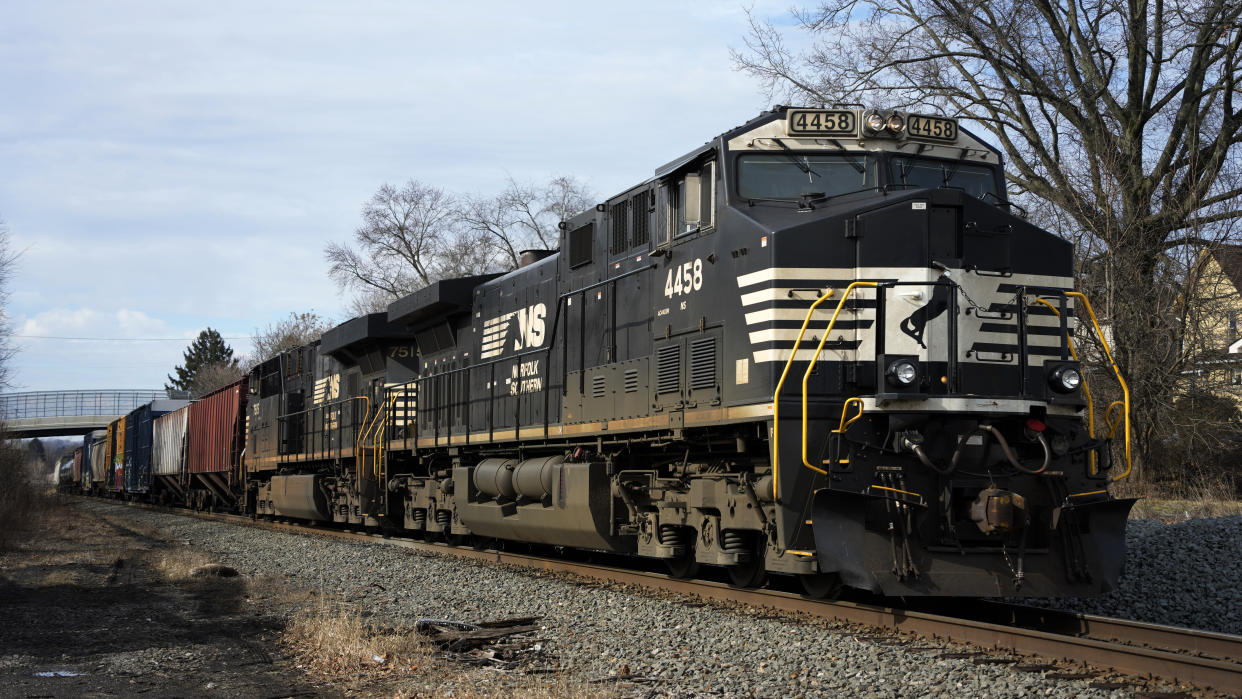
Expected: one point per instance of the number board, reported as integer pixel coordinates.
(932, 128)
(821, 122)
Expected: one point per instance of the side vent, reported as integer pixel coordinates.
(703, 363)
(619, 221)
(631, 380)
(668, 369)
(580, 241)
(642, 217)
(599, 385)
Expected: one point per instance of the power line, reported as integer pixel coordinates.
(125, 339)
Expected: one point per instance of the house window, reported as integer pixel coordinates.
(1235, 377)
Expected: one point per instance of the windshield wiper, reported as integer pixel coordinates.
(858, 166)
(951, 172)
(805, 168)
(751, 201)
(803, 201)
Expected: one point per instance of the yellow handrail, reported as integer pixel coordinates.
(1108, 419)
(374, 431)
(379, 434)
(1125, 390)
(776, 404)
(1085, 388)
(359, 437)
(846, 423)
(815, 358)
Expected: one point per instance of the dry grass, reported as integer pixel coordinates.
(332, 643)
(1194, 497)
(23, 501)
(175, 563)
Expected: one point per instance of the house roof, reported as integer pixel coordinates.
(1229, 257)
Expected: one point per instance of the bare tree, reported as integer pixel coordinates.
(524, 216)
(8, 263)
(215, 376)
(1121, 116)
(296, 330)
(404, 235)
(416, 235)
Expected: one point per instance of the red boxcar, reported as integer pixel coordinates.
(215, 436)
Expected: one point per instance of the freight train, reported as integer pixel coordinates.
(824, 344)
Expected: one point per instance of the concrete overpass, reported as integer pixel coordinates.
(64, 413)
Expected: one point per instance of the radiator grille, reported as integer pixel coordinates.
(599, 385)
(619, 221)
(668, 369)
(638, 206)
(631, 380)
(703, 363)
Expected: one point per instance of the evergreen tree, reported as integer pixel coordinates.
(36, 450)
(207, 350)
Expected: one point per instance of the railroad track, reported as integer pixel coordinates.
(1209, 660)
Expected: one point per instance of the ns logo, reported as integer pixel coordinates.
(531, 326)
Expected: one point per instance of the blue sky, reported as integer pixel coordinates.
(172, 166)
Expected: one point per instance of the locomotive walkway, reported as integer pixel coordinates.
(49, 413)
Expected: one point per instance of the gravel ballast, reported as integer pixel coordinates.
(664, 647)
(1184, 574)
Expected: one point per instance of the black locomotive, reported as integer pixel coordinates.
(823, 344)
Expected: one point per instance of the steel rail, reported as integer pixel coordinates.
(1207, 659)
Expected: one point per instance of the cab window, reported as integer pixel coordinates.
(692, 201)
(915, 173)
(797, 175)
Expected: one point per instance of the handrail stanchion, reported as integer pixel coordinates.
(1125, 390)
(776, 403)
(815, 358)
(1085, 388)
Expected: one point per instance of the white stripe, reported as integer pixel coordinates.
(804, 355)
(799, 314)
(957, 405)
(771, 273)
(789, 335)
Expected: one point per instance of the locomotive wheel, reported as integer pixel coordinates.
(748, 574)
(455, 539)
(751, 573)
(821, 585)
(684, 566)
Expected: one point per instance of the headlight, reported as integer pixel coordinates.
(1065, 379)
(896, 123)
(903, 372)
(874, 121)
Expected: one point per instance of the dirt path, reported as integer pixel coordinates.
(92, 607)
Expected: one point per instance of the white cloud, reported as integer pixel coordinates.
(189, 162)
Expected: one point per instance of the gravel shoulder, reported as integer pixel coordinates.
(1185, 573)
(599, 638)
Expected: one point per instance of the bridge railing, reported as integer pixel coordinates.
(44, 404)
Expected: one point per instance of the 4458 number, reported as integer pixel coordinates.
(685, 279)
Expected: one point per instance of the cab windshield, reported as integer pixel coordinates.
(917, 173)
(794, 176)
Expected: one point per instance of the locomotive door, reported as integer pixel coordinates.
(894, 244)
